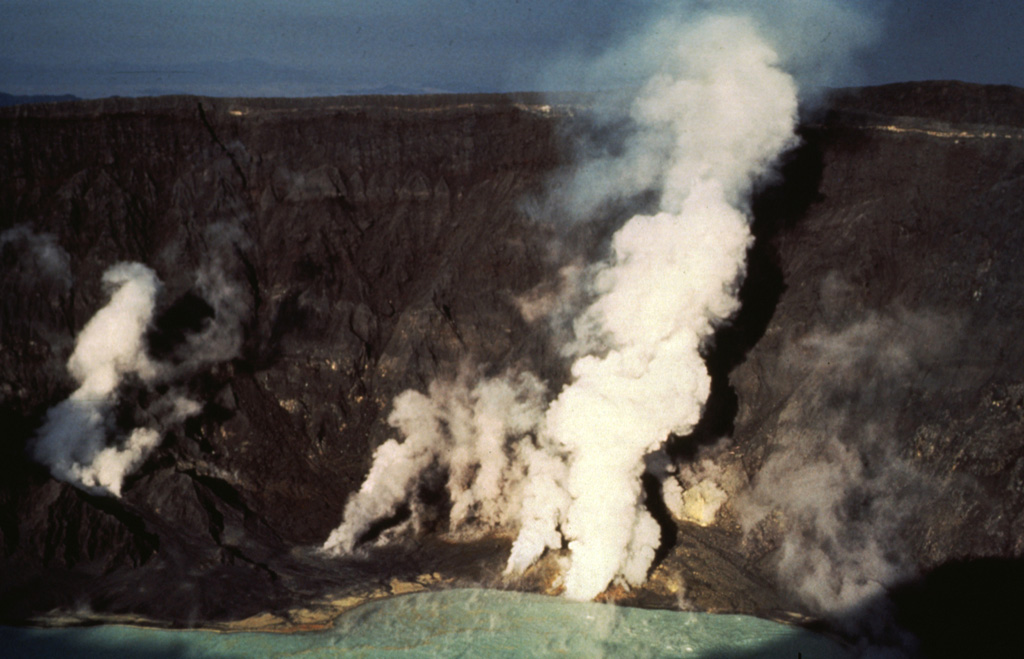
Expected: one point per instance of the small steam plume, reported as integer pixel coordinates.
(464, 431)
(713, 117)
(72, 441)
(111, 351)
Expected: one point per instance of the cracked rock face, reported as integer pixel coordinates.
(866, 416)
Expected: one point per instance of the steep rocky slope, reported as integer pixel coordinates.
(870, 392)
(357, 243)
(879, 412)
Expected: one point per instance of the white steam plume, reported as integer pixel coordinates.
(72, 441)
(464, 431)
(722, 111)
(712, 118)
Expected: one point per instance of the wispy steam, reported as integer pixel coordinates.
(42, 250)
(844, 496)
(36, 277)
(714, 115)
(217, 279)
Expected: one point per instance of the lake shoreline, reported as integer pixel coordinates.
(443, 622)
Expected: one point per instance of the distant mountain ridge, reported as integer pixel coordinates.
(12, 99)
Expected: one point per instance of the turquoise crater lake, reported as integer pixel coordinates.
(454, 623)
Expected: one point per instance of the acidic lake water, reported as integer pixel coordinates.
(455, 623)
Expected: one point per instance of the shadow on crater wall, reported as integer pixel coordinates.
(777, 207)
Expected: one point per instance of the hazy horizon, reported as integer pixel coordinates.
(323, 48)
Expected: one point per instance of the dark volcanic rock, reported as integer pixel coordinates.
(360, 241)
(899, 319)
(872, 387)
(877, 433)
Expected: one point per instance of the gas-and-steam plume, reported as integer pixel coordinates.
(110, 348)
(463, 429)
(713, 117)
(79, 440)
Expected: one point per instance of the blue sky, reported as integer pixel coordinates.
(319, 47)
